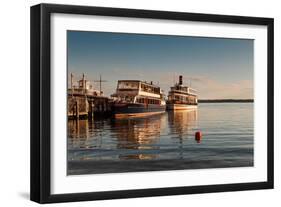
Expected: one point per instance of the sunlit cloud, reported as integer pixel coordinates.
(214, 89)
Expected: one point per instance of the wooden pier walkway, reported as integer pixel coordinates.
(85, 102)
(82, 106)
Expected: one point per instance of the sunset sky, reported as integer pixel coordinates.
(218, 68)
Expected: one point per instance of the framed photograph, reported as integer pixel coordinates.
(132, 103)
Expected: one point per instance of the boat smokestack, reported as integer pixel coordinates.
(180, 79)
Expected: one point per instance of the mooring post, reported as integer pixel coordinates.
(77, 109)
(91, 111)
(73, 107)
(71, 82)
(104, 107)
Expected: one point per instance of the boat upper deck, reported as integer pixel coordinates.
(185, 90)
(181, 89)
(137, 87)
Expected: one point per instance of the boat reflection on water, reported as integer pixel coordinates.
(83, 134)
(181, 121)
(181, 124)
(137, 138)
(163, 142)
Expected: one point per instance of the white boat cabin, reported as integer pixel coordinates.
(181, 94)
(136, 91)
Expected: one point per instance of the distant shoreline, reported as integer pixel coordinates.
(226, 100)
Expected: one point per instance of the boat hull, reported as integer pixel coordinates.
(130, 110)
(181, 107)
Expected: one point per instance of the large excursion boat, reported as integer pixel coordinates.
(181, 97)
(137, 98)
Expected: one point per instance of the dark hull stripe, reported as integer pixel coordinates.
(132, 109)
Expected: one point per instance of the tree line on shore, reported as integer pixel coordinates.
(225, 100)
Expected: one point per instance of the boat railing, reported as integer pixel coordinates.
(183, 92)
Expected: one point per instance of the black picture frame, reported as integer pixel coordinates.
(41, 96)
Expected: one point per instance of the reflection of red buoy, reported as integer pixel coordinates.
(198, 136)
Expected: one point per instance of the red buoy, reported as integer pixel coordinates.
(198, 136)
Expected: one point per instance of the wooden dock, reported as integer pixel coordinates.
(86, 102)
(86, 107)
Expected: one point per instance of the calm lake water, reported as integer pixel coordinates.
(164, 142)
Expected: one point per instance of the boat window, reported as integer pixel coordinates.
(140, 100)
(128, 85)
(150, 89)
(129, 99)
